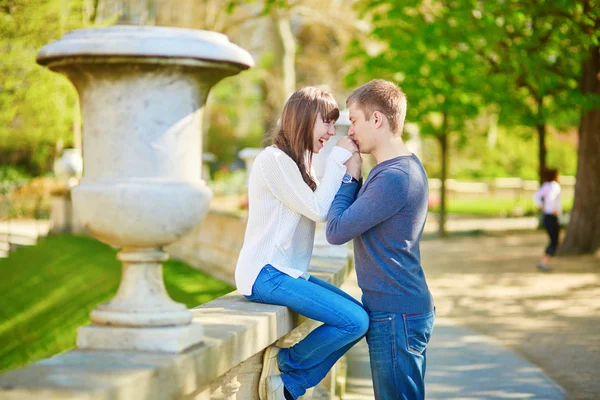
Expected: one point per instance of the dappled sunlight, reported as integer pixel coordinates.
(493, 373)
(491, 284)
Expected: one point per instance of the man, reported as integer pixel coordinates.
(385, 217)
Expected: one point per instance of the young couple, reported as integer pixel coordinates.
(384, 215)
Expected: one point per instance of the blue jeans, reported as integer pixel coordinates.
(345, 322)
(397, 348)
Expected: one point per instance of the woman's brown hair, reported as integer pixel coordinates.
(550, 175)
(294, 131)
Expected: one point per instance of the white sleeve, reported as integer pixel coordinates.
(284, 180)
(538, 196)
(553, 197)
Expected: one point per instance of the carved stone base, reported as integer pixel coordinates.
(163, 339)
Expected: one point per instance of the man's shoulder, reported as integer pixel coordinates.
(400, 176)
(394, 173)
(387, 181)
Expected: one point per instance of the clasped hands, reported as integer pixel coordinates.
(354, 163)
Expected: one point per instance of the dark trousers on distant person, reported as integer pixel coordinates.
(553, 228)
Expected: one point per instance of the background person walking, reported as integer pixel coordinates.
(548, 199)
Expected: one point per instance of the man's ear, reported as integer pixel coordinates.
(377, 119)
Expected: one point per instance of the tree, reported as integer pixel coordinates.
(36, 106)
(425, 48)
(529, 45)
(583, 233)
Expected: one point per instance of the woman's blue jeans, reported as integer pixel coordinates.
(397, 349)
(345, 322)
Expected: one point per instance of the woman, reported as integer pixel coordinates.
(285, 201)
(548, 198)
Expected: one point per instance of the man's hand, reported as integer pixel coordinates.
(347, 143)
(354, 165)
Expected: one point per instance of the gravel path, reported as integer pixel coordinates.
(490, 284)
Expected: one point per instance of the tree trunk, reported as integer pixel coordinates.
(94, 13)
(280, 81)
(288, 42)
(443, 139)
(583, 233)
(541, 130)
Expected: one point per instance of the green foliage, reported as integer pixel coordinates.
(534, 48)
(512, 155)
(49, 290)
(229, 182)
(36, 106)
(232, 124)
(10, 174)
(424, 47)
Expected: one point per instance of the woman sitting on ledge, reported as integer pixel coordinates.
(284, 204)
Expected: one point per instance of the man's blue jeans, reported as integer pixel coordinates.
(345, 322)
(397, 348)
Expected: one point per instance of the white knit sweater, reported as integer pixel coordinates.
(282, 210)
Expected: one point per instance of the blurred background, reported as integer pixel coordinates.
(497, 91)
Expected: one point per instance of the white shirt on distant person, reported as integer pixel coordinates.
(548, 198)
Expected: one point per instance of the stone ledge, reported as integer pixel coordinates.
(235, 330)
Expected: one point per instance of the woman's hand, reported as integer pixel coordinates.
(347, 143)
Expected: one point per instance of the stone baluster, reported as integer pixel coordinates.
(229, 389)
(142, 91)
(248, 377)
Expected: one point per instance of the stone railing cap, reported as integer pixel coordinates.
(146, 41)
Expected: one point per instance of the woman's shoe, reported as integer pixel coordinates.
(275, 388)
(270, 368)
(544, 267)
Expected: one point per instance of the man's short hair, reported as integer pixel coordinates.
(383, 96)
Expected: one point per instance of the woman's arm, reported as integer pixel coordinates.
(538, 197)
(552, 197)
(284, 180)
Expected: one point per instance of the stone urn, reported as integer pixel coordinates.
(142, 92)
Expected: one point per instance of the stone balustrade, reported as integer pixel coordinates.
(507, 187)
(226, 365)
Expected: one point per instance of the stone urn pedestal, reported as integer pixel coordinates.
(142, 91)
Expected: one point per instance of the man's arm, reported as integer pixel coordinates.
(348, 218)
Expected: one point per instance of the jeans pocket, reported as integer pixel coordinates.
(418, 331)
(380, 336)
(273, 277)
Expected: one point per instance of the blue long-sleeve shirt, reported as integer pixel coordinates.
(385, 217)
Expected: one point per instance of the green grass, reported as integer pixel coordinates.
(494, 206)
(48, 291)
